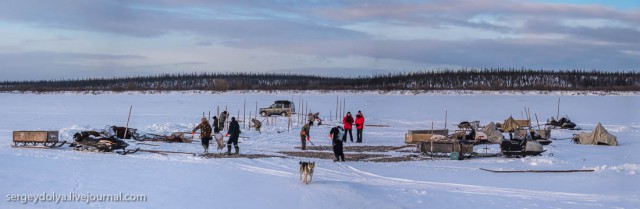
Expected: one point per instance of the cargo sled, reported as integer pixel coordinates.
(453, 148)
(47, 139)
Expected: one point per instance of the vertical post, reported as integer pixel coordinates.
(290, 113)
(431, 127)
(344, 107)
(218, 115)
(226, 125)
(256, 115)
(209, 115)
(538, 122)
(446, 113)
(337, 108)
(126, 129)
(558, 114)
(244, 114)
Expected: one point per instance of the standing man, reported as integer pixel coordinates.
(234, 131)
(348, 123)
(216, 125)
(359, 126)
(223, 119)
(305, 135)
(337, 143)
(205, 133)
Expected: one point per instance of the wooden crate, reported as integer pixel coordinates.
(35, 136)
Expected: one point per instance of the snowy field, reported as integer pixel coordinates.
(186, 181)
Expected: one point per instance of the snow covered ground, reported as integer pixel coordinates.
(186, 181)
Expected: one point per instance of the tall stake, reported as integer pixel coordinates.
(244, 114)
(337, 108)
(558, 115)
(344, 106)
(126, 129)
(445, 118)
(256, 115)
(226, 126)
(537, 121)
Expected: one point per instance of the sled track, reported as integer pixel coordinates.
(348, 173)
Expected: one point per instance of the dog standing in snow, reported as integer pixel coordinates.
(306, 170)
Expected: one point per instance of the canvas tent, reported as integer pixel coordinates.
(599, 135)
(513, 124)
(493, 135)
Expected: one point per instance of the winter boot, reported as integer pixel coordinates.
(229, 150)
(237, 150)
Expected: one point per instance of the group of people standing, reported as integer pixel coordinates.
(218, 124)
(338, 134)
(348, 123)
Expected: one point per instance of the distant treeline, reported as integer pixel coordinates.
(463, 79)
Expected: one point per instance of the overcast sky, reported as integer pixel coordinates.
(54, 39)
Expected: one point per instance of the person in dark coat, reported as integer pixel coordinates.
(305, 134)
(337, 143)
(205, 133)
(216, 126)
(234, 134)
(223, 119)
(359, 126)
(348, 124)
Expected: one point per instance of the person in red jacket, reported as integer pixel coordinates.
(348, 123)
(359, 126)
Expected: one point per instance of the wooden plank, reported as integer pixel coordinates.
(377, 125)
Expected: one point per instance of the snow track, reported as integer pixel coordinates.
(348, 173)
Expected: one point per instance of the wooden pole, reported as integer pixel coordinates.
(218, 115)
(344, 106)
(446, 113)
(558, 114)
(256, 110)
(538, 122)
(337, 108)
(126, 129)
(244, 114)
(226, 126)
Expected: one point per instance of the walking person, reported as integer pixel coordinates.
(205, 133)
(305, 135)
(336, 142)
(348, 124)
(359, 126)
(234, 134)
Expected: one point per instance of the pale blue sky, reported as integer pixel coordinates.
(56, 39)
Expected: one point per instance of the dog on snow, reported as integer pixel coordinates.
(306, 170)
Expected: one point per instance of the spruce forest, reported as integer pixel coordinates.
(462, 79)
